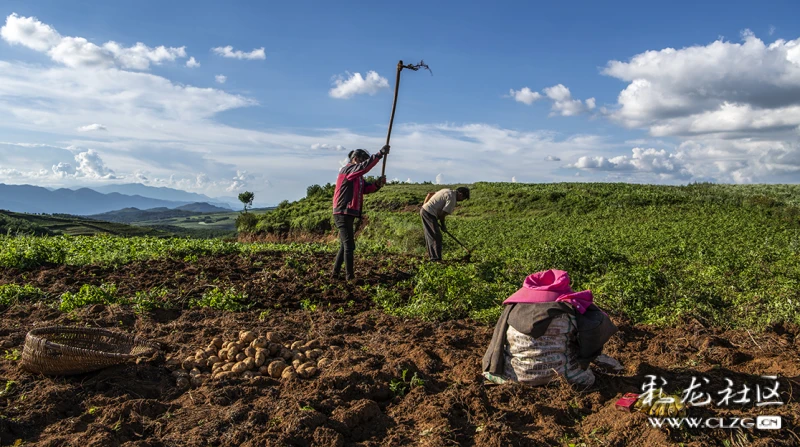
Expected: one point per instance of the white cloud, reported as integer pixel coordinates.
(513, 180)
(79, 52)
(525, 95)
(192, 63)
(89, 164)
(439, 179)
(29, 32)
(228, 52)
(356, 85)
(564, 105)
(91, 127)
(658, 162)
(720, 88)
(220, 79)
(327, 147)
(239, 181)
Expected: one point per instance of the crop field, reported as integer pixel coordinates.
(702, 281)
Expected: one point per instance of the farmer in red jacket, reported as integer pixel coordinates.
(347, 201)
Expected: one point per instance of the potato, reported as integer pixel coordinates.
(261, 357)
(296, 363)
(226, 375)
(223, 354)
(198, 380)
(233, 350)
(194, 372)
(200, 353)
(179, 373)
(299, 356)
(249, 363)
(272, 337)
(213, 359)
(250, 352)
(188, 363)
(247, 375)
(217, 367)
(315, 353)
(239, 367)
(240, 356)
(217, 342)
(296, 345)
(263, 370)
(259, 342)
(274, 348)
(288, 374)
(247, 336)
(313, 344)
(182, 382)
(227, 366)
(286, 354)
(306, 365)
(324, 363)
(276, 368)
(209, 351)
(310, 372)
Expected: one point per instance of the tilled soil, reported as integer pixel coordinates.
(353, 402)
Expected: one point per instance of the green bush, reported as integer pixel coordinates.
(222, 299)
(11, 294)
(88, 294)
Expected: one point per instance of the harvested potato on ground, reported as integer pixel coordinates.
(274, 348)
(227, 366)
(226, 375)
(288, 374)
(217, 342)
(200, 353)
(188, 363)
(296, 345)
(250, 351)
(307, 372)
(248, 375)
(299, 356)
(260, 342)
(239, 367)
(240, 356)
(182, 382)
(315, 353)
(194, 372)
(213, 359)
(217, 367)
(261, 357)
(313, 344)
(209, 351)
(249, 363)
(286, 354)
(223, 354)
(179, 373)
(276, 368)
(233, 350)
(296, 363)
(307, 365)
(324, 363)
(272, 337)
(198, 380)
(263, 370)
(247, 336)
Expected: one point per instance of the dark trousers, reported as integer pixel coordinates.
(347, 244)
(433, 236)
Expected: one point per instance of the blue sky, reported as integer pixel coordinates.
(525, 91)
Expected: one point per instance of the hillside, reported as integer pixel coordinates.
(43, 225)
(133, 215)
(723, 254)
(164, 193)
(83, 201)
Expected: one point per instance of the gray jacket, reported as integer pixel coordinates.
(594, 330)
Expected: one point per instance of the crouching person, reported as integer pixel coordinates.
(547, 330)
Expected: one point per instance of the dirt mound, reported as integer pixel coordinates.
(391, 381)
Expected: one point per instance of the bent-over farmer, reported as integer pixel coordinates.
(347, 202)
(437, 206)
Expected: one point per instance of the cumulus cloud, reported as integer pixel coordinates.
(658, 162)
(91, 127)
(327, 147)
(220, 79)
(719, 88)
(439, 179)
(239, 181)
(228, 52)
(89, 165)
(513, 180)
(79, 52)
(525, 95)
(561, 97)
(356, 85)
(192, 63)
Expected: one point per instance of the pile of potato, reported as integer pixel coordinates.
(252, 356)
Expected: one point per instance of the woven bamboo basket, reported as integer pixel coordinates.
(61, 350)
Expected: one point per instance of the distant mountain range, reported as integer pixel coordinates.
(164, 193)
(85, 201)
(131, 215)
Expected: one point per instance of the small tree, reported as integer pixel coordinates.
(247, 199)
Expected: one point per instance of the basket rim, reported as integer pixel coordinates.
(37, 335)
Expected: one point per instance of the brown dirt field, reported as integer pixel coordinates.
(350, 402)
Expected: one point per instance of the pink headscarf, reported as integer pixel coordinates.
(548, 286)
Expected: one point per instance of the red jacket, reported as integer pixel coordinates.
(351, 187)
